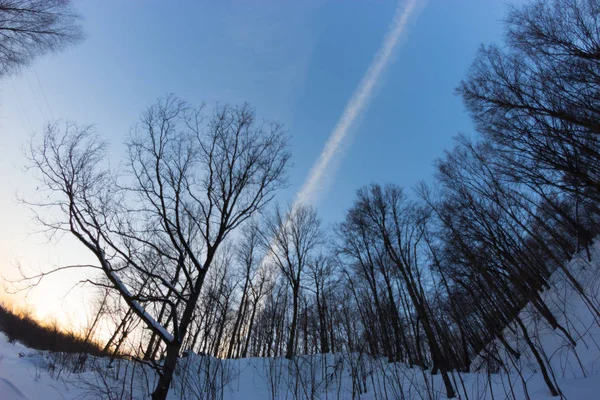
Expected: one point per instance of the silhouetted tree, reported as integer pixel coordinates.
(30, 28)
(155, 230)
(289, 238)
(538, 98)
(386, 214)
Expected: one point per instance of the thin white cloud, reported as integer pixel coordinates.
(358, 102)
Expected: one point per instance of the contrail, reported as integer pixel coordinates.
(358, 102)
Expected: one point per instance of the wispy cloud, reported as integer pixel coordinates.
(359, 101)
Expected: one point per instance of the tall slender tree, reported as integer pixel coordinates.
(155, 229)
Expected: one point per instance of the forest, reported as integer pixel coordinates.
(195, 257)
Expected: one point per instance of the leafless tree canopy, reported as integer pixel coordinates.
(436, 281)
(30, 28)
(538, 97)
(155, 225)
(290, 239)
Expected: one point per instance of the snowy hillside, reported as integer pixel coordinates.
(574, 370)
(571, 352)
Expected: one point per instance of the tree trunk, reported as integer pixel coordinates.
(538, 357)
(235, 334)
(249, 333)
(289, 354)
(164, 382)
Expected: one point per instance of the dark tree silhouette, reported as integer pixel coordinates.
(538, 98)
(155, 227)
(31, 28)
(290, 237)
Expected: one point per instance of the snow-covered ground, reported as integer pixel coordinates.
(24, 375)
(30, 374)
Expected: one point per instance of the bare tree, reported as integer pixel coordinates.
(386, 214)
(290, 237)
(31, 28)
(321, 273)
(538, 97)
(155, 228)
(248, 256)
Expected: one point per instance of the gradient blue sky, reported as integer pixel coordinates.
(296, 61)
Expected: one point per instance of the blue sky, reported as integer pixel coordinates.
(296, 61)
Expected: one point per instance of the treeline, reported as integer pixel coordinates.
(20, 325)
(429, 277)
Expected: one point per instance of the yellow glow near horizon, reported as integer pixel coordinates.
(57, 297)
(48, 301)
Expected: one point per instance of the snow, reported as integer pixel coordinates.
(30, 374)
(574, 314)
(167, 336)
(22, 377)
(254, 379)
(327, 376)
(10, 391)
